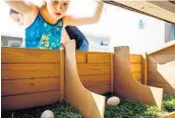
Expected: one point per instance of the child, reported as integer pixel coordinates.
(73, 32)
(44, 25)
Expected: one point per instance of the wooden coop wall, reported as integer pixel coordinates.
(96, 70)
(33, 77)
(161, 69)
(30, 77)
(136, 64)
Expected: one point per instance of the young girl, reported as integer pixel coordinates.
(73, 32)
(44, 24)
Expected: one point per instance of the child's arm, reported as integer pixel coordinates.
(19, 6)
(68, 20)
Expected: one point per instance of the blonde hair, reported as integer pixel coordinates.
(38, 3)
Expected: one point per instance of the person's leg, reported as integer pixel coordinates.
(81, 41)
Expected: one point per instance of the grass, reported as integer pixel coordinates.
(60, 110)
(169, 103)
(134, 109)
(126, 109)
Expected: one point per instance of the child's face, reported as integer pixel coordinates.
(57, 8)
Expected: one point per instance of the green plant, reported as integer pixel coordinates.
(134, 109)
(168, 102)
(60, 110)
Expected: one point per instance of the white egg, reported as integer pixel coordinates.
(47, 114)
(113, 101)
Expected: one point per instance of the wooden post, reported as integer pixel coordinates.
(62, 64)
(145, 69)
(112, 72)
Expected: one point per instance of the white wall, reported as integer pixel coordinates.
(94, 43)
(125, 31)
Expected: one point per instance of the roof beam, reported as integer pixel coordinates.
(163, 10)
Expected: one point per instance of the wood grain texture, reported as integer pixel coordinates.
(137, 76)
(40, 77)
(23, 55)
(136, 67)
(161, 68)
(152, 9)
(95, 80)
(29, 100)
(131, 89)
(20, 71)
(135, 58)
(160, 59)
(62, 73)
(104, 89)
(81, 56)
(91, 69)
(167, 48)
(112, 72)
(21, 86)
(30, 77)
(145, 69)
(98, 57)
(164, 5)
(91, 105)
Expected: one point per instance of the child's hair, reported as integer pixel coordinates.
(38, 3)
(13, 12)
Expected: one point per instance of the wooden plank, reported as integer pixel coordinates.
(112, 72)
(162, 68)
(94, 69)
(98, 57)
(137, 76)
(19, 71)
(145, 69)
(95, 80)
(127, 87)
(161, 85)
(90, 105)
(149, 9)
(81, 56)
(160, 77)
(164, 4)
(162, 59)
(168, 89)
(29, 100)
(136, 67)
(62, 77)
(135, 58)
(20, 55)
(168, 48)
(22, 86)
(100, 90)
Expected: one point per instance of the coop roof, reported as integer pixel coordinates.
(164, 10)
